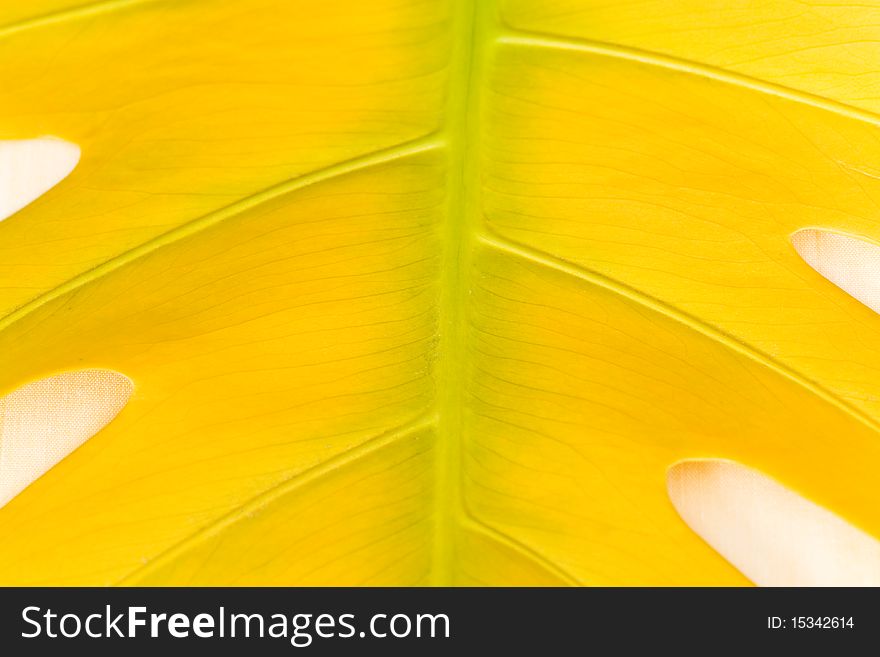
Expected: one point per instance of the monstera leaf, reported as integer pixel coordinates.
(429, 292)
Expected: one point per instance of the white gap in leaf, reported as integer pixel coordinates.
(771, 534)
(31, 167)
(850, 263)
(44, 421)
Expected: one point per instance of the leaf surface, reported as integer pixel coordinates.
(432, 292)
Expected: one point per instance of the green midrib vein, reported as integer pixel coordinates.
(462, 133)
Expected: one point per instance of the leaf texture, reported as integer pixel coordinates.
(434, 292)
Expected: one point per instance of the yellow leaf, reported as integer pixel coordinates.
(434, 292)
